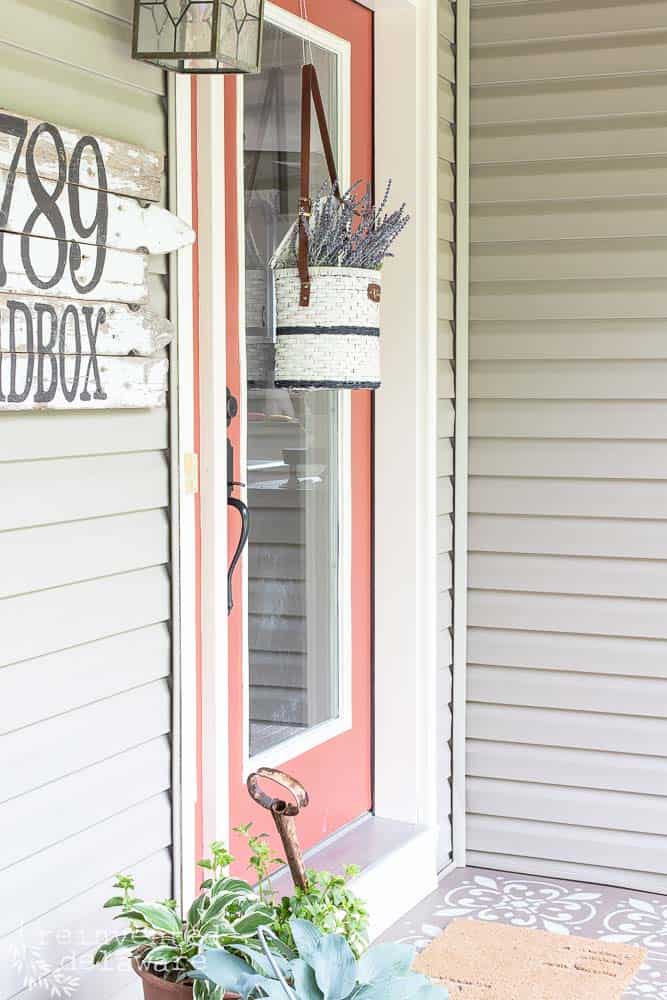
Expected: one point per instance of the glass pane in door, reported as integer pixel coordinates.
(293, 437)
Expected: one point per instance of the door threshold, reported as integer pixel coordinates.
(397, 862)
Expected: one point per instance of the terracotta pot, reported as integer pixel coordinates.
(157, 988)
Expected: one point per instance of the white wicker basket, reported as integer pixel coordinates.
(334, 342)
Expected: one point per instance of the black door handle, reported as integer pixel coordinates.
(232, 501)
(242, 508)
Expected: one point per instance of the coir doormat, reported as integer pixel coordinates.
(479, 960)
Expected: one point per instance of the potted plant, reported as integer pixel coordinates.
(163, 944)
(325, 969)
(327, 900)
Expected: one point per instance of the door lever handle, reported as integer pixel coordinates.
(242, 508)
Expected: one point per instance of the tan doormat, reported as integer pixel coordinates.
(479, 960)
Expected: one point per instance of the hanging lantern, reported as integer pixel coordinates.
(199, 36)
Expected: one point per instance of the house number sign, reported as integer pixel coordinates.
(79, 224)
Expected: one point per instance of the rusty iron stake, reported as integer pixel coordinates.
(283, 816)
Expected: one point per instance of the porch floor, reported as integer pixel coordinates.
(549, 904)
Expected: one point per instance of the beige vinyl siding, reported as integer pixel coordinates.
(445, 429)
(85, 604)
(277, 595)
(567, 683)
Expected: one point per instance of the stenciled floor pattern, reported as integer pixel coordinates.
(549, 904)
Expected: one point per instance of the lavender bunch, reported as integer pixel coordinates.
(346, 232)
(377, 231)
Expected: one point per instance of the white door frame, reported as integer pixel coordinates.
(405, 456)
(406, 620)
(183, 503)
(199, 481)
(406, 143)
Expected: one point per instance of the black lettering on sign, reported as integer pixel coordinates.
(14, 395)
(46, 353)
(18, 127)
(48, 368)
(92, 361)
(100, 223)
(46, 204)
(70, 391)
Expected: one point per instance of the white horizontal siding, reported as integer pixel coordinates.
(567, 683)
(78, 915)
(575, 768)
(578, 652)
(30, 436)
(85, 597)
(561, 178)
(47, 879)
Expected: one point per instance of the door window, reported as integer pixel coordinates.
(296, 441)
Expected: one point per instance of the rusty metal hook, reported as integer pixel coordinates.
(283, 815)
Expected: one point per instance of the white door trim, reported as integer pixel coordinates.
(210, 377)
(183, 506)
(213, 458)
(406, 140)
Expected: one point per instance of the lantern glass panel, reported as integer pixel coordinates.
(239, 32)
(200, 36)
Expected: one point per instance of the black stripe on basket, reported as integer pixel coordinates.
(334, 331)
(310, 384)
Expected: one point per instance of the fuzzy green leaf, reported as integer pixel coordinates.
(258, 917)
(406, 987)
(204, 989)
(335, 967)
(305, 983)
(114, 901)
(385, 961)
(118, 943)
(162, 954)
(260, 962)
(273, 990)
(228, 971)
(197, 911)
(235, 886)
(158, 916)
(307, 938)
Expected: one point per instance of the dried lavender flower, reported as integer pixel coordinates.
(346, 231)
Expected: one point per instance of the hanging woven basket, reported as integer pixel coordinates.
(334, 341)
(327, 318)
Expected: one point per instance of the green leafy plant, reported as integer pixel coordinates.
(228, 914)
(262, 859)
(328, 902)
(330, 905)
(325, 969)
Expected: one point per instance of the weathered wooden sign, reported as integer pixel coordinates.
(79, 217)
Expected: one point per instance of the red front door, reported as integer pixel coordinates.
(300, 631)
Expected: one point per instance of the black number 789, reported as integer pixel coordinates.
(47, 204)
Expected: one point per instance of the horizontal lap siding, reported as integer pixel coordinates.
(567, 683)
(445, 430)
(85, 605)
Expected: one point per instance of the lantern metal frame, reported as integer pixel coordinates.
(167, 60)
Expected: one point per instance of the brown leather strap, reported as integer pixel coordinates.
(310, 91)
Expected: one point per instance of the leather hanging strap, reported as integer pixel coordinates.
(310, 92)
